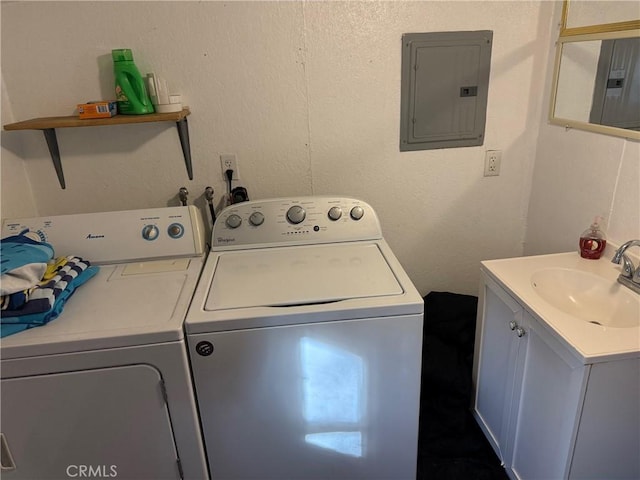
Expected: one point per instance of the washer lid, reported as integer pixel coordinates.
(300, 276)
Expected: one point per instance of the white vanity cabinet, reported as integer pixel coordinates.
(548, 414)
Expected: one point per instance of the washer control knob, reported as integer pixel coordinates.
(256, 219)
(296, 214)
(175, 230)
(150, 232)
(335, 213)
(233, 221)
(357, 212)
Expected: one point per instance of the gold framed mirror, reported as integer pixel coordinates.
(596, 83)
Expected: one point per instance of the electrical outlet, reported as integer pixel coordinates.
(228, 161)
(492, 159)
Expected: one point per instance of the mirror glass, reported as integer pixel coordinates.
(598, 82)
(597, 70)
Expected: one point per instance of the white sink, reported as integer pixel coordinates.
(588, 297)
(578, 299)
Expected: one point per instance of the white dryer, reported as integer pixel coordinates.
(105, 389)
(305, 338)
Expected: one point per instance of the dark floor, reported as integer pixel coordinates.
(451, 446)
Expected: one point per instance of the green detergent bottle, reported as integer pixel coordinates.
(131, 91)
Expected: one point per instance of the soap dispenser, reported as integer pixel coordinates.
(593, 241)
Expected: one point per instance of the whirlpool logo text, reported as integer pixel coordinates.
(226, 239)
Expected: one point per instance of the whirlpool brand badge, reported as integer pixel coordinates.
(226, 239)
(204, 348)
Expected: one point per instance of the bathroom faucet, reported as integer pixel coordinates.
(630, 276)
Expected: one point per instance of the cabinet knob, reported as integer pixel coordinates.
(513, 324)
(520, 331)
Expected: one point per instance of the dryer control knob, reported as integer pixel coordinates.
(233, 221)
(150, 232)
(296, 214)
(175, 230)
(335, 213)
(256, 219)
(357, 212)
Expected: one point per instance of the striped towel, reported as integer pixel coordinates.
(46, 301)
(42, 298)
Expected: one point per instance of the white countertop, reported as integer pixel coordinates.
(592, 343)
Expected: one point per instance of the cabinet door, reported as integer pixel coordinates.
(608, 442)
(96, 423)
(498, 366)
(547, 408)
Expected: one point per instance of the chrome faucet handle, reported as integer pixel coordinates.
(628, 269)
(630, 275)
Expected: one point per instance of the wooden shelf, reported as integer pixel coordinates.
(49, 124)
(74, 121)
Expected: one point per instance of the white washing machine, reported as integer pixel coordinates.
(104, 390)
(305, 338)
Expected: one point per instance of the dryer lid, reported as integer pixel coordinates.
(302, 275)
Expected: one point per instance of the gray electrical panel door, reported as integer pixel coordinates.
(616, 97)
(445, 80)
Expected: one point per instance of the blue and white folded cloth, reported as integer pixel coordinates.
(23, 261)
(33, 295)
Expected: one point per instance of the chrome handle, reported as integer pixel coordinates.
(6, 460)
(520, 331)
(513, 324)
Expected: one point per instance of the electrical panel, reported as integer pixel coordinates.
(616, 101)
(445, 81)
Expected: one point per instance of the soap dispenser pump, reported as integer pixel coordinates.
(593, 241)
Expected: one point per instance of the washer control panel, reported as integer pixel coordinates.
(112, 237)
(295, 220)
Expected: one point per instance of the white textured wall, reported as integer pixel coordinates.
(577, 176)
(16, 198)
(593, 12)
(307, 94)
